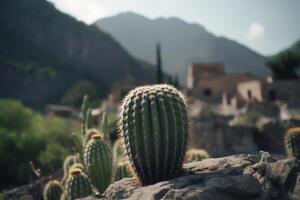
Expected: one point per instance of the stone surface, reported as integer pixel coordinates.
(238, 177)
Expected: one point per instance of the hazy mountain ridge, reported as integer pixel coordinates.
(44, 52)
(182, 44)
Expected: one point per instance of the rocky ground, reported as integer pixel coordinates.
(238, 177)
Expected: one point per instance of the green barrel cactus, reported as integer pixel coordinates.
(194, 155)
(53, 190)
(123, 170)
(154, 128)
(292, 143)
(89, 134)
(77, 186)
(68, 162)
(78, 165)
(98, 162)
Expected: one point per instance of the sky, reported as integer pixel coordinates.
(266, 26)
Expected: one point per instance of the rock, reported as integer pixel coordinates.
(244, 176)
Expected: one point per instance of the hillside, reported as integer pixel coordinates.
(182, 44)
(44, 53)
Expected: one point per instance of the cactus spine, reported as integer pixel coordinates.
(154, 129)
(194, 155)
(78, 185)
(98, 162)
(123, 171)
(53, 190)
(292, 142)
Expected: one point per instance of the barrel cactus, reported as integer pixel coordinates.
(118, 150)
(154, 128)
(89, 134)
(194, 155)
(78, 185)
(292, 142)
(52, 190)
(68, 162)
(78, 165)
(123, 170)
(98, 162)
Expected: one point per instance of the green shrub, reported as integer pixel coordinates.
(28, 136)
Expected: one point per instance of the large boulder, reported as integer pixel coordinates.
(237, 177)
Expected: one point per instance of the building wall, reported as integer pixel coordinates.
(212, 89)
(250, 90)
(283, 90)
(200, 71)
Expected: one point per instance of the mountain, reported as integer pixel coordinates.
(182, 44)
(45, 53)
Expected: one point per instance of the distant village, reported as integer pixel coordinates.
(237, 113)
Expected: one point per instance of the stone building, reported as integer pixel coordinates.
(210, 83)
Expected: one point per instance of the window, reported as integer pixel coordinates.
(207, 92)
(249, 93)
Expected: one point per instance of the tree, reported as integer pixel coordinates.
(159, 75)
(284, 65)
(74, 96)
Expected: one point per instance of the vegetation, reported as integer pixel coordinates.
(49, 53)
(77, 186)
(194, 155)
(123, 170)
(159, 74)
(98, 162)
(154, 130)
(53, 190)
(284, 65)
(292, 143)
(28, 136)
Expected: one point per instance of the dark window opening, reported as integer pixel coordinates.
(207, 92)
(272, 95)
(249, 92)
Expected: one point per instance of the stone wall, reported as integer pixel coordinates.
(220, 139)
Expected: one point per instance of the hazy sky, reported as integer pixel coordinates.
(266, 26)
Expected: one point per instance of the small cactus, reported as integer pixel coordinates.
(194, 155)
(78, 165)
(78, 185)
(123, 170)
(98, 162)
(68, 162)
(118, 150)
(89, 133)
(52, 190)
(292, 143)
(155, 129)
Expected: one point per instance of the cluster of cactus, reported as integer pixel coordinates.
(292, 143)
(153, 135)
(194, 155)
(154, 128)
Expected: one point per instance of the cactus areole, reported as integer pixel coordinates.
(154, 128)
